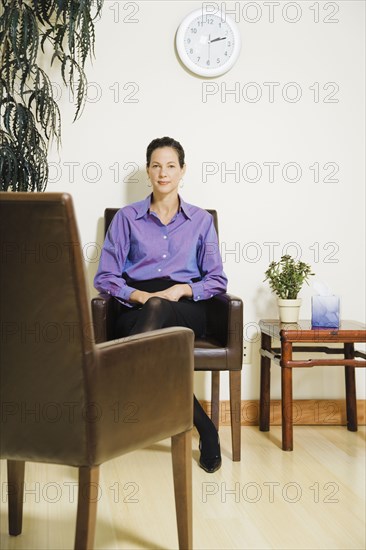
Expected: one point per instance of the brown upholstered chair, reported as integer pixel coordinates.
(220, 350)
(59, 389)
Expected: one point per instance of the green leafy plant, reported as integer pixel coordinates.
(286, 277)
(32, 32)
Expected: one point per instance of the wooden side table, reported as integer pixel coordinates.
(348, 334)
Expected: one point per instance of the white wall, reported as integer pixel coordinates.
(138, 91)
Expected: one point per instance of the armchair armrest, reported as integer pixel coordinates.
(104, 311)
(225, 325)
(225, 319)
(143, 385)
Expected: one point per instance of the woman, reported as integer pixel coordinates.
(161, 260)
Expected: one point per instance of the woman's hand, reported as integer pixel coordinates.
(174, 294)
(139, 296)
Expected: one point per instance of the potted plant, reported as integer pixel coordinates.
(286, 278)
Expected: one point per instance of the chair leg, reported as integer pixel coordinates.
(215, 398)
(182, 472)
(235, 413)
(87, 507)
(15, 495)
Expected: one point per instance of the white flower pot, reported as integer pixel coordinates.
(289, 310)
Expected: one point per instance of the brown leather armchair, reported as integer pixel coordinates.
(220, 350)
(59, 389)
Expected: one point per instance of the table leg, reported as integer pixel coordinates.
(351, 403)
(286, 395)
(265, 386)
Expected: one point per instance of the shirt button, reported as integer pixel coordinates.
(164, 255)
(165, 237)
(198, 297)
(159, 269)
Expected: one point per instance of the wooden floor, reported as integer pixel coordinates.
(311, 498)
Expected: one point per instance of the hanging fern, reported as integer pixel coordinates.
(29, 114)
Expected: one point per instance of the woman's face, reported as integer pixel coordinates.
(164, 171)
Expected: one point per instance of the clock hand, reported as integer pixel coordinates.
(217, 39)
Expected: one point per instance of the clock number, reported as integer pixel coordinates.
(191, 50)
(225, 54)
(229, 44)
(208, 21)
(188, 40)
(194, 31)
(198, 58)
(207, 62)
(218, 60)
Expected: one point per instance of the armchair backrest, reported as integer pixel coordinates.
(47, 336)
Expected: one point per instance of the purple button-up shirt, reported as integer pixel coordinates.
(139, 245)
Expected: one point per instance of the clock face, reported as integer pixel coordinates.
(208, 44)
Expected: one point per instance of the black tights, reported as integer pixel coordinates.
(161, 313)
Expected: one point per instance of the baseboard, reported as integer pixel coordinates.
(306, 412)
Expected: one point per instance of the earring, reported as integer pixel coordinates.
(181, 183)
(149, 184)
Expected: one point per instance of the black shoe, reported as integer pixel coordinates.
(210, 463)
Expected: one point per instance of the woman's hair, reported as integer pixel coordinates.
(158, 143)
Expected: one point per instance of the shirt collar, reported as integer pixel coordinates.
(185, 208)
(145, 206)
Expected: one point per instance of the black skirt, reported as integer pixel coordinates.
(184, 313)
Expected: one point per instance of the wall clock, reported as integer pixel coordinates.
(208, 44)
